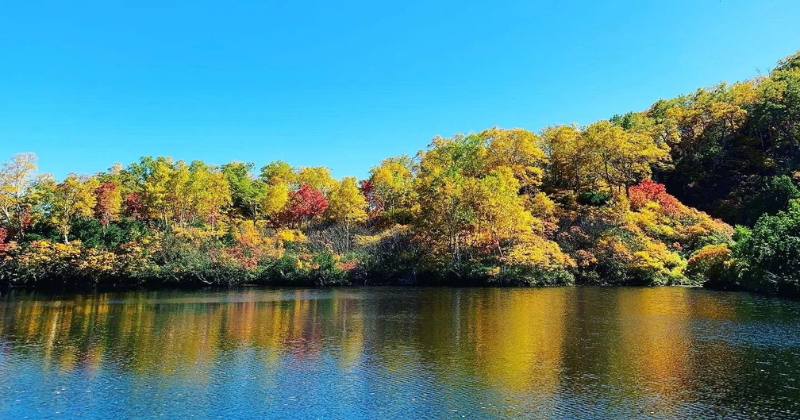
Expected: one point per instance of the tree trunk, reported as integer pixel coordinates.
(347, 236)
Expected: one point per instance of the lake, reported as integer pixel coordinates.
(405, 353)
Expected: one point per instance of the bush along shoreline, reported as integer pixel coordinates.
(644, 198)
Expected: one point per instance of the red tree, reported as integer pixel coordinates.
(132, 206)
(368, 189)
(105, 208)
(3, 234)
(304, 204)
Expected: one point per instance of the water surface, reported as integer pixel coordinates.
(401, 353)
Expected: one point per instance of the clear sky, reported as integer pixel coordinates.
(84, 84)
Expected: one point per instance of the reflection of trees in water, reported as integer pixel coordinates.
(143, 333)
(652, 353)
(509, 338)
(532, 344)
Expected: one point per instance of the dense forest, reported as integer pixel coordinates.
(645, 198)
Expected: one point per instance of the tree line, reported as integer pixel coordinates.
(565, 205)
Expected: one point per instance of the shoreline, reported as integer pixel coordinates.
(50, 290)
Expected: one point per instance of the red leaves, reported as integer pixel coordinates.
(669, 204)
(24, 220)
(132, 206)
(305, 204)
(373, 200)
(3, 234)
(367, 188)
(648, 191)
(104, 208)
(347, 266)
(245, 255)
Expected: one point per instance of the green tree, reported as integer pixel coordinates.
(246, 192)
(768, 257)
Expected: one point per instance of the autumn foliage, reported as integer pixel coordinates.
(649, 191)
(567, 204)
(107, 206)
(483, 208)
(711, 262)
(133, 206)
(3, 236)
(304, 205)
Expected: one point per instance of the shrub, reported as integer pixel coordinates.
(709, 265)
(768, 257)
(649, 191)
(594, 198)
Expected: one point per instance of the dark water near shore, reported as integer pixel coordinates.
(401, 353)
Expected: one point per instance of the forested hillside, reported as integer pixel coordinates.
(735, 148)
(606, 203)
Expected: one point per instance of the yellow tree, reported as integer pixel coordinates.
(278, 172)
(445, 215)
(217, 197)
(156, 188)
(72, 198)
(707, 120)
(535, 252)
(571, 162)
(16, 177)
(198, 193)
(274, 199)
(206, 192)
(730, 110)
(346, 205)
(606, 140)
(318, 177)
(637, 157)
(181, 191)
(518, 150)
(623, 157)
(392, 182)
(500, 214)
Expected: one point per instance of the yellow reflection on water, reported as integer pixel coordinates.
(653, 351)
(529, 344)
(518, 338)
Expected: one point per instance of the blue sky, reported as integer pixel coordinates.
(84, 84)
